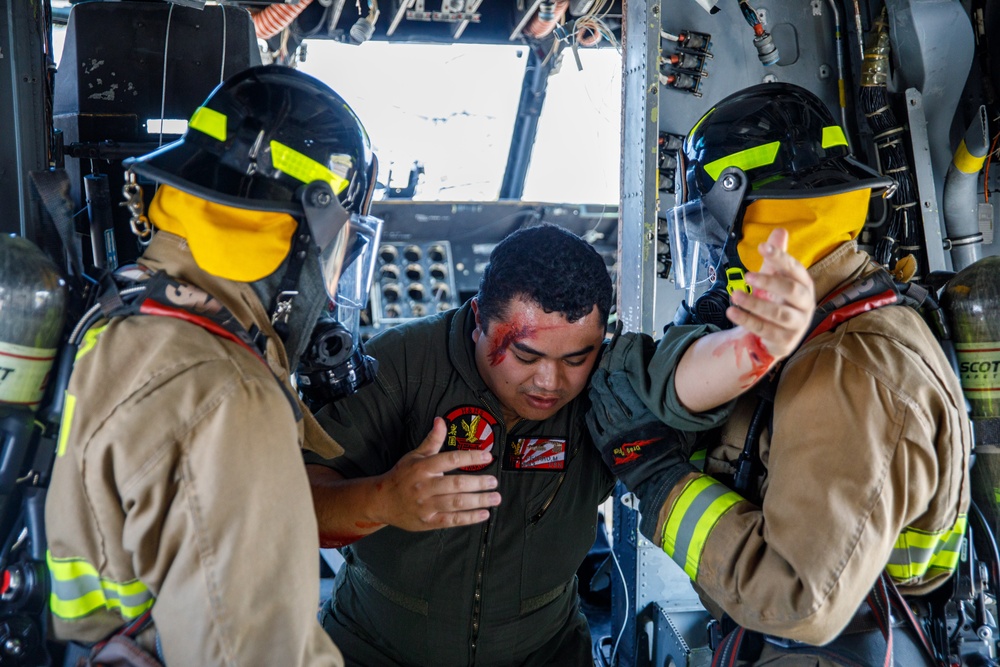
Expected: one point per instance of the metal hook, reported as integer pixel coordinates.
(132, 192)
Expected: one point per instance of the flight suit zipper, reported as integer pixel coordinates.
(545, 506)
(477, 595)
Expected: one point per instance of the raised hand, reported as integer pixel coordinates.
(781, 306)
(417, 494)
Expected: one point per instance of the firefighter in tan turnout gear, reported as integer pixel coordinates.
(179, 491)
(841, 476)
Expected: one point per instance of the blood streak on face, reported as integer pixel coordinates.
(504, 335)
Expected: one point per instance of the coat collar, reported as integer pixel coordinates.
(170, 253)
(841, 267)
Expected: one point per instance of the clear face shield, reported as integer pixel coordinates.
(700, 229)
(349, 286)
(697, 243)
(334, 364)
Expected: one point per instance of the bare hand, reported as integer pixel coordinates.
(781, 306)
(417, 494)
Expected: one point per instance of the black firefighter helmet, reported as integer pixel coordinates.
(782, 136)
(260, 136)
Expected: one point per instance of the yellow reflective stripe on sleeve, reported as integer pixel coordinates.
(69, 405)
(695, 513)
(966, 162)
(748, 159)
(209, 121)
(917, 552)
(304, 168)
(78, 590)
(89, 341)
(833, 135)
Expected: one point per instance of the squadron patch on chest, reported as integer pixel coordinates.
(536, 454)
(470, 427)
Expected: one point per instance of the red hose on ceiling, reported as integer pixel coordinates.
(271, 20)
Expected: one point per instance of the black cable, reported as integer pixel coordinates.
(991, 542)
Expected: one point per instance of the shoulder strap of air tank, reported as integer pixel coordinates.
(166, 296)
(156, 293)
(864, 294)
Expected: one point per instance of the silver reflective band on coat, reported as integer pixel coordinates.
(697, 241)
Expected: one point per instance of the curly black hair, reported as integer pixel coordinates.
(550, 266)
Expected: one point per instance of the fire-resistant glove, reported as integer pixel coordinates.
(629, 351)
(643, 452)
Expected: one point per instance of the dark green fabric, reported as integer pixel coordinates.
(416, 591)
(650, 369)
(629, 436)
(648, 456)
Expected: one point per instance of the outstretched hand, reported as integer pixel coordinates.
(417, 494)
(781, 306)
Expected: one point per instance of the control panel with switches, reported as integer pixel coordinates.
(412, 280)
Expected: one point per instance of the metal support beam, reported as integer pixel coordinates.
(636, 270)
(640, 110)
(529, 108)
(24, 117)
(930, 211)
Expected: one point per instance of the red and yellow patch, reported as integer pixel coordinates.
(470, 427)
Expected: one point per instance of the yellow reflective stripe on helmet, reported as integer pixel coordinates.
(833, 135)
(750, 158)
(917, 552)
(695, 513)
(966, 162)
(304, 168)
(209, 121)
(78, 590)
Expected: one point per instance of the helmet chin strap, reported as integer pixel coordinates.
(725, 201)
(298, 282)
(324, 217)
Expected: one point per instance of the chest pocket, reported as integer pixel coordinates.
(559, 526)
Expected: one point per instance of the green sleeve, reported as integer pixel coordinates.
(651, 372)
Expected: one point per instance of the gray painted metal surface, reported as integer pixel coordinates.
(930, 208)
(640, 108)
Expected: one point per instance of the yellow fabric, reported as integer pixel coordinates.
(815, 226)
(233, 243)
